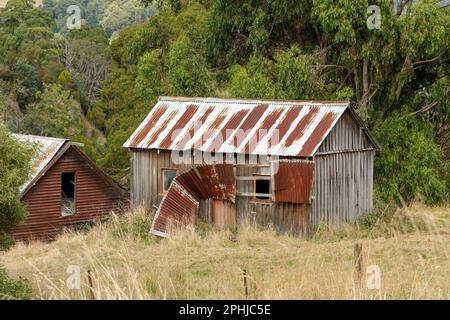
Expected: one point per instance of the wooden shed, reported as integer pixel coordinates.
(65, 187)
(290, 164)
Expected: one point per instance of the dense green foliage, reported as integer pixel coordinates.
(14, 164)
(14, 289)
(111, 15)
(396, 77)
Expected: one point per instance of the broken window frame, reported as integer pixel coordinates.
(65, 210)
(269, 199)
(162, 179)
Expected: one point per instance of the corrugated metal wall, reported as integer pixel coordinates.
(342, 187)
(346, 135)
(94, 198)
(343, 182)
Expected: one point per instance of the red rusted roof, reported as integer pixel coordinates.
(293, 181)
(266, 127)
(180, 205)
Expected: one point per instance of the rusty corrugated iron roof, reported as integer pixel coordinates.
(46, 150)
(180, 205)
(265, 127)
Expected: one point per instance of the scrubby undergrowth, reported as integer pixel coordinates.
(411, 246)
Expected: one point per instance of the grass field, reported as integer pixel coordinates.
(412, 252)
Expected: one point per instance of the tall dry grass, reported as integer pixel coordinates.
(413, 253)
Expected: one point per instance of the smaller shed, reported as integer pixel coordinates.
(64, 187)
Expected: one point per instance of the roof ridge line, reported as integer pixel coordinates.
(251, 101)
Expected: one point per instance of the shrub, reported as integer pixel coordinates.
(411, 164)
(11, 289)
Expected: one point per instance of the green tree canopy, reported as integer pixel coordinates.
(14, 169)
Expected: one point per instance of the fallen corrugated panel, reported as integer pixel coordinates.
(282, 128)
(180, 205)
(293, 181)
(178, 208)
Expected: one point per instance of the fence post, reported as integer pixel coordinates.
(91, 285)
(244, 273)
(358, 262)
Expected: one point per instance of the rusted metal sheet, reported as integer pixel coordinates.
(283, 128)
(293, 181)
(178, 208)
(180, 205)
(45, 150)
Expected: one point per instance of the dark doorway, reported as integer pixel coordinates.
(68, 193)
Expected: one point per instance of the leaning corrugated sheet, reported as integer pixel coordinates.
(293, 181)
(180, 205)
(46, 150)
(282, 128)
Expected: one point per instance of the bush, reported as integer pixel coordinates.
(411, 165)
(6, 241)
(11, 289)
(14, 168)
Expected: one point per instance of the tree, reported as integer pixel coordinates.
(29, 49)
(411, 164)
(87, 57)
(55, 115)
(187, 69)
(14, 168)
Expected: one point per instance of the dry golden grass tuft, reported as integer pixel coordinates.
(205, 263)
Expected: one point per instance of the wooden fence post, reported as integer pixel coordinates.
(358, 262)
(91, 285)
(244, 273)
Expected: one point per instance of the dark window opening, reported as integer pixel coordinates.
(262, 186)
(68, 193)
(167, 177)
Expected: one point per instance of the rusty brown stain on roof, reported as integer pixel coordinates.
(190, 134)
(285, 124)
(149, 124)
(266, 125)
(250, 121)
(317, 135)
(211, 129)
(231, 124)
(300, 128)
(184, 119)
(161, 128)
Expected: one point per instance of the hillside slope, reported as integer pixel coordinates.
(127, 263)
